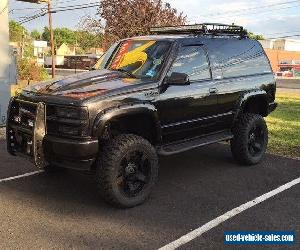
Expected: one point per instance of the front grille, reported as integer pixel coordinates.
(20, 127)
(23, 115)
(26, 130)
(52, 125)
(22, 118)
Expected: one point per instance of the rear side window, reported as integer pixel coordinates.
(239, 58)
(191, 60)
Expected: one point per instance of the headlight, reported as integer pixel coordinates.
(72, 113)
(68, 121)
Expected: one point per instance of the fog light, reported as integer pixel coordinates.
(17, 119)
(30, 123)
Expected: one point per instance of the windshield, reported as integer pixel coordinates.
(138, 58)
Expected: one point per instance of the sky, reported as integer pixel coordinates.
(271, 18)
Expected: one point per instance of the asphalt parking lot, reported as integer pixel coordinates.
(63, 210)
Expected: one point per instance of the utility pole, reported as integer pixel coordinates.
(50, 28)
(51, 38)
(22, 43)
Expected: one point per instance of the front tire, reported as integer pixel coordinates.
(250, 139)
(127, 169)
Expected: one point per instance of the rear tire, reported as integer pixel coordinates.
(250, 139)
(127, 169)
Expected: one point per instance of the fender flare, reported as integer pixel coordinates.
(105, 116)
(246, 97)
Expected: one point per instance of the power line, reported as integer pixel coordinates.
(69, 7)
(279, 33)
(73, 8)
(259, 12)
(251, 9)
(62, 1)
(93, 4)
(30, 18)
(58, 9)
(24, 9)
(281, 37)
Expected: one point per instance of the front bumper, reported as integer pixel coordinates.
(27, 137)
(70, 153)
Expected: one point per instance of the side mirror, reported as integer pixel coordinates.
(178, 79)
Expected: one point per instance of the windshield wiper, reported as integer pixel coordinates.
(126, 72)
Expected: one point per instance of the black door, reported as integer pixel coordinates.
(190, 110)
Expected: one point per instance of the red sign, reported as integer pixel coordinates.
(122, 51)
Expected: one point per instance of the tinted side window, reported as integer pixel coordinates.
(192, 61)
(239, 58)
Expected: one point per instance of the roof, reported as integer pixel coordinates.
(178, 37)
(159, 37)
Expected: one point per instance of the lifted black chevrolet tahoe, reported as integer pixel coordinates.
(179, 89)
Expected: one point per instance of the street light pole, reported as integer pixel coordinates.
(51, 38)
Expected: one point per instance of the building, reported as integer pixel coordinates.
(267, 43)
(7, 65)
(61, 52)
(281, 44)
(284, 56)
(65, 50)
(284, 63)
(96, 51)
(39, 48)
(286, 44)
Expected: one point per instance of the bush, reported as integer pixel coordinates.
(30, 71)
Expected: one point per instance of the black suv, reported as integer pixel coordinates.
(179, 89)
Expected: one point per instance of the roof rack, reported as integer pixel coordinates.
(215, 29)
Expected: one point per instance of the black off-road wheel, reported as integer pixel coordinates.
(250, 139)
(127, 169)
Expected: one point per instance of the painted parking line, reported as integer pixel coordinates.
(21, 176)
(215, 222)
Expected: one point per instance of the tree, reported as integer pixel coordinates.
(35, 35)
(46, 34)
(82, 38)
(16, 32)
(87, 40)
(125, 18)
(61, 35)
(255, 37)
(29, 70)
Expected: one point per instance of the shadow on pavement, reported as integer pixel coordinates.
(193, 188)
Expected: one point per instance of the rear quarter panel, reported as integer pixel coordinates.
(239, 66)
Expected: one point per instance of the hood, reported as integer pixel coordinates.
(85, 85)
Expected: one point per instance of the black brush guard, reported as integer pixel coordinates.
(26, 129)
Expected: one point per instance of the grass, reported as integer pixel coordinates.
(284, 125)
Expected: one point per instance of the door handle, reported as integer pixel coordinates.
(213, 90)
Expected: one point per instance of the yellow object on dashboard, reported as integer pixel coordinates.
(135, 56)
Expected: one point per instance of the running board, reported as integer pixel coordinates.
(185, 145)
